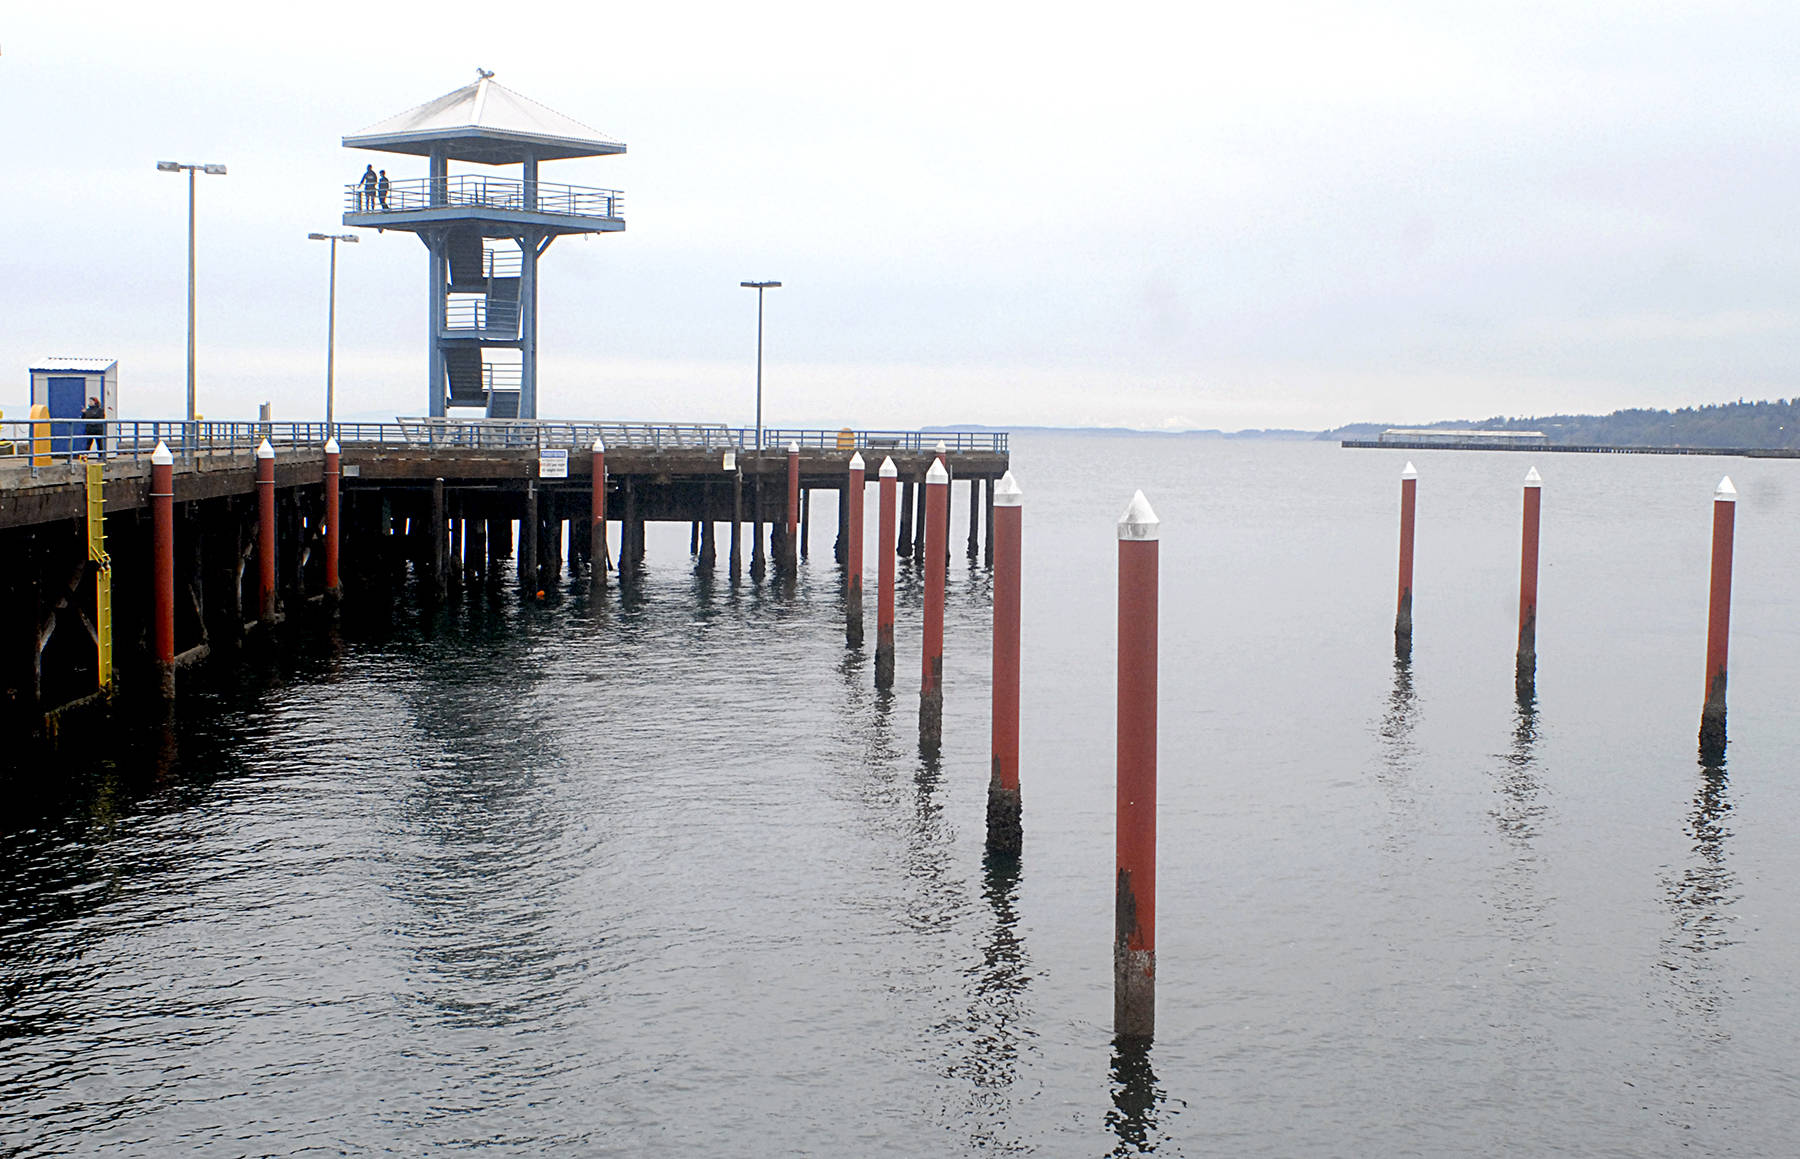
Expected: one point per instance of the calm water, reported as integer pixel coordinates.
(663, 874)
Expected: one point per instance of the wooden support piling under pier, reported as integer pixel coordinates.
(758, 565)
(921, 496)
(708, 553)
(737, 521)
(805, 523)
(788, 559)
(903, 543)
(974, 517)
(840, 550)
(475, 553)
(440, 547)
(988, 497)
(528, 542)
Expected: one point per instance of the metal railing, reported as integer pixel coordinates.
(471, 190)
(60, 443)
(44, 443)
(478, 314)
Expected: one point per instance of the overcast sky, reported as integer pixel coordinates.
(1152, 215)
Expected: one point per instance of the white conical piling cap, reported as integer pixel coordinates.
(937, 474)
(1139, 522)
(1411, 471)
(856, 462)
(1725, 492)
(1533, 479)
(599, 445)
(1007, 493)
(331, 447)
(265, 451)
(941, 448)
(161, 456)
(793, 448)
(888, 470)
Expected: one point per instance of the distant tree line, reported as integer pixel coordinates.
(1757, 425)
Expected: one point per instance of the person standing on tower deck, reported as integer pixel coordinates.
(368, 189)
(381, 188)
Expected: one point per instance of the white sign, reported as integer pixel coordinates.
(730, 463)
(553, 464)
(352, 471)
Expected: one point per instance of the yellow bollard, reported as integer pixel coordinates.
(40, 435)
(846, 439)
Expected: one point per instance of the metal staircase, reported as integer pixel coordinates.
(481, 314)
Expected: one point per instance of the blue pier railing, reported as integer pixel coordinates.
(45, 444)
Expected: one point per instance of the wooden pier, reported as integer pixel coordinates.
(446, 505)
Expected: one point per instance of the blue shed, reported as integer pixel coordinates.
(64, 385)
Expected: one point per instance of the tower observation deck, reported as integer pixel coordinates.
(485, 231)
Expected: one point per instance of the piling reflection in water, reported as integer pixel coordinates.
(993, 1033)
(1700, 899)
(1139, 1101)
(1399, 757)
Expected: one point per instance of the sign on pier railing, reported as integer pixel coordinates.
(72, 440)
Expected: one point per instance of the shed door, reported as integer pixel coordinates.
(67, 398)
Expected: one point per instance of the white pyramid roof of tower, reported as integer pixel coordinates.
(485, 122)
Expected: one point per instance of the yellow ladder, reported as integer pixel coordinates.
(96, 544)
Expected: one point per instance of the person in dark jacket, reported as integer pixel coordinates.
(381, 188)
(368, 189)
(96, 431)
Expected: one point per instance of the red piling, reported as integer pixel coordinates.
(853, 558)
(333, 505)
(162, 511)
(1134, 912)
(1718, 622)
(1403, 622)
(884, 583)
(265, 536)
(597, 561)
(1525, 665)
(937, 532)
(790, 559)
(1005, 830)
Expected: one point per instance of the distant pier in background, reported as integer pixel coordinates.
(1472, 440)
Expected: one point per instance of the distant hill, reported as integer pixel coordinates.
(1753, 425)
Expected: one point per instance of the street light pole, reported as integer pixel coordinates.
(759, 287)
(176, 167)
(331, 318)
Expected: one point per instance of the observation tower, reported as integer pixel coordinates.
(485, 231)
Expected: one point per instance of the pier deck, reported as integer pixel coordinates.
(426, 507)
